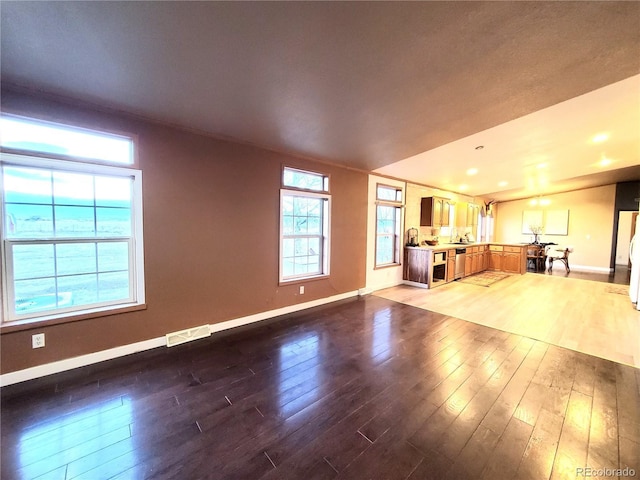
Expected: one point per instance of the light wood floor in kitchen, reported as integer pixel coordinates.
(582, 315)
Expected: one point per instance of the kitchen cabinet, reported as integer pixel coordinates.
(485, 258)
(474, 260)
(461, 214)
(512, 260)
(495, 257)
(434, 212)
(451, 265)
(508, 259)
(428, 268)
(416, 265)
(473, 211)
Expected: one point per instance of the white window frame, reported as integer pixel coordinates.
(135, 241)
(397, 206)
(325, 235)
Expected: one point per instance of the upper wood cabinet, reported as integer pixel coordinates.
(434, 212)
(473, 211)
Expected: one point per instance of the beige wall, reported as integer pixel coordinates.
(211, 236)
(590, 224)
(378, 278)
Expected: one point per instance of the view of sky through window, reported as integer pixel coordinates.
(35, 136)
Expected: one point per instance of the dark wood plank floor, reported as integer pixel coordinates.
(360, 389)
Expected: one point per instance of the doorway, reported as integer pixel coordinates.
(626, 230)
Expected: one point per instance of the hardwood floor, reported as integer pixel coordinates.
(621, 275)
(365, 388)
(592, 317)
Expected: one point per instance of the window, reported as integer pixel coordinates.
(388, 220)
(304, 225)
(71, 237)
(25, 134)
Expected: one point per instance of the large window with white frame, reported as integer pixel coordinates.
(388, 225)
(71, 231)
(305, 205)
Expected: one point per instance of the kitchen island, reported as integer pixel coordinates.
(431, 266)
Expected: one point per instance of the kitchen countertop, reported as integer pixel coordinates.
(448, 246)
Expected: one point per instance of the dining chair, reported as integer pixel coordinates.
(536, 257)
(560, 254)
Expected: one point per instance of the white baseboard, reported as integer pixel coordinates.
(415, 284)
(374, 288)
(584, 268)
(238, 322)
(81, 361)
(91, 358)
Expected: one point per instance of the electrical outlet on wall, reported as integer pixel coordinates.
(301, 289)
(37, 340)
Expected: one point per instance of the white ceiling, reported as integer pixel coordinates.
(589, 140)
(404, 88)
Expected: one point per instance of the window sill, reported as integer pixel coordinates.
(294, 281)
(31, 323)
(389, 265)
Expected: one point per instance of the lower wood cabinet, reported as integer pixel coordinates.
(485, 258)
(495, 260)
(416, 265)
(467, 265)
(451, 265)
(508, 259)
(511, 262)
(504, 258)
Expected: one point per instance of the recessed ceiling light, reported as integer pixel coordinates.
(605, 161)
(541, 165)
(600, 137)
(503, 184)
(533, 202)
(462, 188)
(479, 147)
(472, 171)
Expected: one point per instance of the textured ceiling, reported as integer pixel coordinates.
(364, 84)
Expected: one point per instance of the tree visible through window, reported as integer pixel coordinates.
(388, 216)
(304, 225)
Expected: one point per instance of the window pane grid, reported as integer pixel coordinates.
(303, 235)
(387, 235)
(87, 284)
(385, 251)
(71, 236)
(65, 211)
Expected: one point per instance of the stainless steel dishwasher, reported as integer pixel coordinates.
(461, 254)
